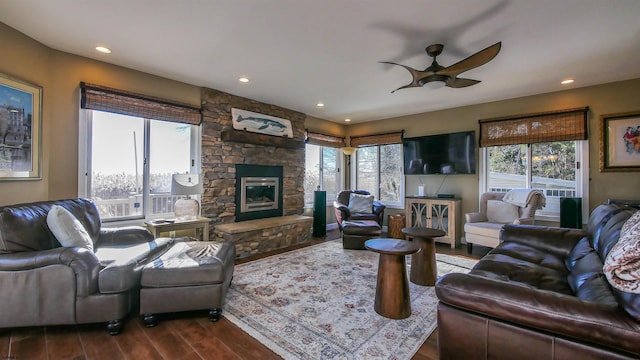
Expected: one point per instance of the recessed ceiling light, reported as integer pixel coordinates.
(347, 120)
(103, 49)
(320, 104)
(243, 80)
(567, 81)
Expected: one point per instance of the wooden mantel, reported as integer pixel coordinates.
(260, 139)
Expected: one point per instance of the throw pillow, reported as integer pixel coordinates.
(622, 265)
(67, 229)
(362, 204)
(501, 212)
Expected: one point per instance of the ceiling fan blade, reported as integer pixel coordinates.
(415, 74)
(407, 86)
(478, 59)
(460, 82)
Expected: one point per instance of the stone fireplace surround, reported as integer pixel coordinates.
(219, 159)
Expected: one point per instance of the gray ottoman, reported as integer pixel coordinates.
(191, 275)
(356, 232)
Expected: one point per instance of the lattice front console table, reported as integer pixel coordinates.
(436, 213)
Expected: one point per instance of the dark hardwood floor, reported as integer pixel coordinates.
(182, 336)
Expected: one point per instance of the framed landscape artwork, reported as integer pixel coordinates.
(20, 124)
(620, 142)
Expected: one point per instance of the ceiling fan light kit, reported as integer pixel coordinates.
(448, 75)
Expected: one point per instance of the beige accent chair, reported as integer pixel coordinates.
(483, 227)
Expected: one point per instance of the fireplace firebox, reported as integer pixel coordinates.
(258, 192)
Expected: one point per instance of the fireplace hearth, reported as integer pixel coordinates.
(258, 192)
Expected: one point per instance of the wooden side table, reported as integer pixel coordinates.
(157, 227)
(392, 288)
(424, 269)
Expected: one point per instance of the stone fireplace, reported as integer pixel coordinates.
(225, 151)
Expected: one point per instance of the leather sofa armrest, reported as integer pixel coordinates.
(83, 262)
(126, 235)
(342, 210)
(558, 241)
(556, 313)
(378, 207)
(475, 217)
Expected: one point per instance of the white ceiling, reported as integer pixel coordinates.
(300, 52)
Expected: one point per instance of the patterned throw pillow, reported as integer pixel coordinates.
(68, 230)
(622, 266)
(362, 204)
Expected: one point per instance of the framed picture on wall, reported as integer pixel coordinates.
(620, 142)
(20, 126)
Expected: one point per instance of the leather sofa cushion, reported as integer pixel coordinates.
(24, 226)
(189, 264)
(122, 263)
(611, 233)
(526, 266)
(585, 268)
(361, 227)
(362, 217)
(582, 248)
(525, 254)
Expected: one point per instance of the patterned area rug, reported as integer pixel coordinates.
(317, 303)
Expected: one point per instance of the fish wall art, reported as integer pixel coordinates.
(261, 124)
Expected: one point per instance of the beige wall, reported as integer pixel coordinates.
(59, 74)
(27, 60)
(601, 99)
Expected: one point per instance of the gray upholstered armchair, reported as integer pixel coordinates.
(44, 283)
(483, 227)
(343, 212)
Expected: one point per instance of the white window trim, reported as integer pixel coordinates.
(84, 164)
(353, 179)
(582, 179)
(340, 177)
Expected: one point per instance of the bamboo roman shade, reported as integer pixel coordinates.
(315, 138)
(563, 125)
(95, 97)
(377, 139)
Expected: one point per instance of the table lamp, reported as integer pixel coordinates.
(186, 184)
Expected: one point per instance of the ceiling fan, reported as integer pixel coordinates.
(448, 75)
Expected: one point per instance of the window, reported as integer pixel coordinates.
(557, 168)
(128, 163)
(322, 170)
(378, 169)
(547, 151)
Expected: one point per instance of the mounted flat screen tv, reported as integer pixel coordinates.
(453, 153)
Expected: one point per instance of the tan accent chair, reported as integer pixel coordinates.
(480, 230)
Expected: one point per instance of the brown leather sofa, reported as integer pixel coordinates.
(541, 294)
(341, 207)
(43, 283)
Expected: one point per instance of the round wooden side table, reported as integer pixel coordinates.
(424, 269)
(392, 287)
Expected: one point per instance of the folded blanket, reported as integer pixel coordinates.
(622, 265)
(523, 197)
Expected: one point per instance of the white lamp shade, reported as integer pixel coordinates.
(186, 184)
(349, 150)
